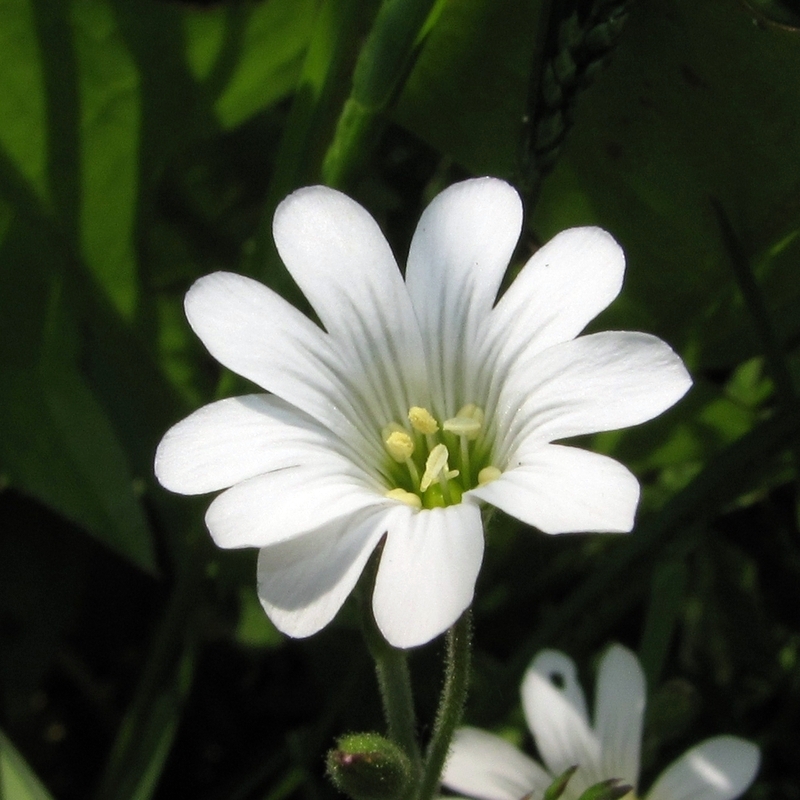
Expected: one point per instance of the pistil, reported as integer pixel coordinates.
(434, 466)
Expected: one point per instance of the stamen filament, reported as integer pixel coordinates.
(465, 466)
(413, 472)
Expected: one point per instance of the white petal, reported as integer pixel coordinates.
(257, 334)
(485, 766)
(560, 489)
(595, 383)
(563, 287)
(339, 258)
(427, 573)
(280, 505)
(231, 440)
(619, 713)
(458, 255)
(303, 583)
(721, 768)
(555, 709)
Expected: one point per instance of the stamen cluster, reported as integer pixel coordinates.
(423, 453)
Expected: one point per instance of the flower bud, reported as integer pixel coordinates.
(367, 766)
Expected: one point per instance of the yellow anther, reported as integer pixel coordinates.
(487, 475)
(422, 420)
(400, 446)
(409, 498)
(473, 412)
(462, 426)
(437, 461)
(389, 429)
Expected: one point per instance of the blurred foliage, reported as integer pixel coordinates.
(144, 143)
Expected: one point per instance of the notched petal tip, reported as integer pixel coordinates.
(427, 572)
(302, 583)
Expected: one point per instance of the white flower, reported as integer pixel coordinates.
(485, 766)
(420, 400)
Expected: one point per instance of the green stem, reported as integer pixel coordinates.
(394, 682)
(451, 705)
(383, 64)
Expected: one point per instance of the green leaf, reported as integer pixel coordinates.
(17, 780)
(56, 442)
(698, 103)
(466, 95)
(58, 445)
(110, 120)
(22, 101)
(205, 30)
(270, 58)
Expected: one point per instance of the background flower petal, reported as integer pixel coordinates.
(555, 709)
(234, 439)
(341, 261)
(458, 255)
(302, 583)
(485, 766)
(280, 505)
(564, 285)
(560, 489)
(257, 334)
(717, 769)
(620, 696)
(600, 382)
(427, 572)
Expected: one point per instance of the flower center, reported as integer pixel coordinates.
(432, 465)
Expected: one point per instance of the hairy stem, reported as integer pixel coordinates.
(451, 705)
(394, 682)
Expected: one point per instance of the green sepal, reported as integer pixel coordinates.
(612, 789)
(367, 766)
(557, 787)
